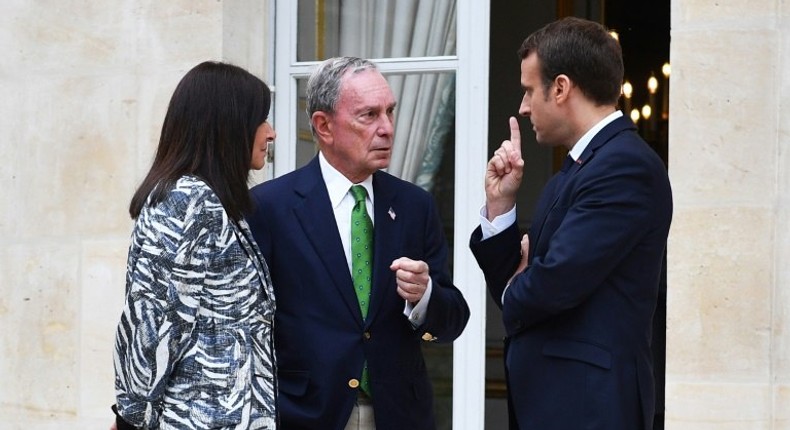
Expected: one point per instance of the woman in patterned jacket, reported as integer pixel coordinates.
(193, 349)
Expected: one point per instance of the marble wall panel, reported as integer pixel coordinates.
(726, 13)
(68, 35)
(178, 32)
(103, 278)
(712, 406)
(74, 139)
(720, 287)
(781, 366)
(728, 349)
(723, 126)
(39, 313)
(782, 407)
(85, 86)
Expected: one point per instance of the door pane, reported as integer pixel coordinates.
(375, 28)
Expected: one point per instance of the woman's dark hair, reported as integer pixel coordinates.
(208, 132)
(584, 51)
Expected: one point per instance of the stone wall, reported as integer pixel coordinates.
(728, 351)
(85, 86)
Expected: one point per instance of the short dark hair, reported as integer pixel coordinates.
(208, 132)
(323, 86)
(584, 51)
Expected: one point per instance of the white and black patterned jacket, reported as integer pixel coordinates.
(193, 349)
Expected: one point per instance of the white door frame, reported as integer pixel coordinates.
(471, 154)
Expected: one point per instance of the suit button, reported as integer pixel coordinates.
(366, 335)
(353, 383)
(428, 337)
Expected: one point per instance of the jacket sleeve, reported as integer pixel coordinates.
(498, 257)
(172, 245)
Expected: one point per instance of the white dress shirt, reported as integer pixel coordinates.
(342, 202)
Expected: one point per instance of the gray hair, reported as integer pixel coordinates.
(323, 87)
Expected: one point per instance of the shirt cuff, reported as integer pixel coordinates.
(498, 225)
(417, 313)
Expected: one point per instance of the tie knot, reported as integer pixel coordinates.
(359, 193)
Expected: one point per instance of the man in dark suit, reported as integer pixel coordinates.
(578, 293)
(348, 351)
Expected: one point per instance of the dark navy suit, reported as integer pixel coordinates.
(321, 340)
(579, 318)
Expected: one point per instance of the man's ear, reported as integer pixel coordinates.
(322, 125)
(562, 88)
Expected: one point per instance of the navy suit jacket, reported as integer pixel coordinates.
(321, 341)
(579, 318)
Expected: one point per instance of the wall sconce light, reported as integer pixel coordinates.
(635, 115)
(628, 91)
(646, 112)
(651, 114)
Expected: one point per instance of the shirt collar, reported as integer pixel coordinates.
(581, 145)
(338, 185)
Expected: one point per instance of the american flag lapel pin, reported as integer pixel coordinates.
(392, 213)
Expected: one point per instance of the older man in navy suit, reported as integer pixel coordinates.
(578, 293)
(348, 342)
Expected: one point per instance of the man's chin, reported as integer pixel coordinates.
(382, 156)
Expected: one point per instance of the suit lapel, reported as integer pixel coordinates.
(388, 228)
(317, 219)
(605, 135)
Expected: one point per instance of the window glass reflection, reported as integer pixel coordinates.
(375, 28)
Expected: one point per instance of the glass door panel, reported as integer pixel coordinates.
(375, 28)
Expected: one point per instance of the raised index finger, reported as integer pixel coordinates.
(515, 134)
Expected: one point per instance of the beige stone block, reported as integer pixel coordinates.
(103, 289)
(246, 35)
(13, 421)
(726, 13)
(781, 299)
(88, 36)
(716, 121)
(68, 168)
(719, 294)
(782, 287)
(67, 34)
(179, 32)
(39, 313)
(782, 407)
(719, 406)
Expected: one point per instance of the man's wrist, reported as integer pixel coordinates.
(498, 207)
